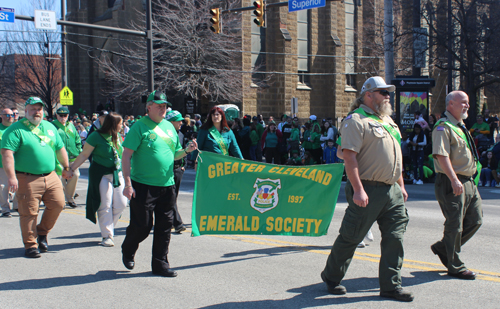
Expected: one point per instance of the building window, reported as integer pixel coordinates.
(258, 48)
(350, 13)
(303, 45)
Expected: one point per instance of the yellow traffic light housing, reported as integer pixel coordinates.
(259, 12)
(215, 20)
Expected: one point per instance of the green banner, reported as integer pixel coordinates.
(234, 196)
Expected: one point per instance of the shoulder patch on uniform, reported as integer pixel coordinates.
(440, 128)
(348, 117)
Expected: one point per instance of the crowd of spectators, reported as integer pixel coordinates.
(417, 149)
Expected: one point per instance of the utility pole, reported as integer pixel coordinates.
(389, 43)
(149, 43)
(64, 74)
(450, 47)
(416, 24)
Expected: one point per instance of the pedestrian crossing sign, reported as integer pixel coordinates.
(66, 96)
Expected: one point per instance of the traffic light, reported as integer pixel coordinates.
(215, 20)
(259, 11)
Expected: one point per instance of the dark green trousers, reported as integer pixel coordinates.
(386, 206)
(463, 217)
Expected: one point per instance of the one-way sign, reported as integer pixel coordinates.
(7, 15)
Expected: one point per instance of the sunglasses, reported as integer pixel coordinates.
(383, 92)
(63, 115)
(9, 115)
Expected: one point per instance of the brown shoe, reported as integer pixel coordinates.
(466, 275)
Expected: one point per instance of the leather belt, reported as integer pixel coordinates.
(29, 174)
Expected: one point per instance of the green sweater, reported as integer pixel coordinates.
(316, 140)
(254, 136)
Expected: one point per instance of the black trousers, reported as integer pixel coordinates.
(178, 173)
(149, 200)
(272, 153)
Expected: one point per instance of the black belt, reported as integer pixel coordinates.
(29, 174)
(374, 183)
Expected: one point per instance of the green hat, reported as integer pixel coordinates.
(174, 116)
(62, 111)
(158, 98)
(34, 100)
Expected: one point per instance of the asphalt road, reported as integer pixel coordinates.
(231, 271)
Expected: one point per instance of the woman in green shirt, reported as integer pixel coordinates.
(106, 182)
(216, 136)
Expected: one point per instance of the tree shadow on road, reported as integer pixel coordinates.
(47, 283)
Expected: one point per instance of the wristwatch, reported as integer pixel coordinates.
(67, 169)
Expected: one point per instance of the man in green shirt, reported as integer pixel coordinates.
(149, 152)
(7, 119)
(480, 127)
(30, 148)
(73, 145)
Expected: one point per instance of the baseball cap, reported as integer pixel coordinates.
(174, 116)
(34, 100)
(158, 98)
(62, 111)
(312, 117)
(271, 123)
(103, 113)
(376, 83)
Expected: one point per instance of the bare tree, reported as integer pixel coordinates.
(188, 57)
(475, 57)
(37, 60)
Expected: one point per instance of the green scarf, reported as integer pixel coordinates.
(218, 138)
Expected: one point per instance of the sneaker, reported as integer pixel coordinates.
(361, 244)
(497, 185)
(420, 182)
(479, 183)
(108, 242)
(369, 236)
(6, 215)
(487, 184)
(414, 181)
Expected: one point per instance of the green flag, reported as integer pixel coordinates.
(234, 196)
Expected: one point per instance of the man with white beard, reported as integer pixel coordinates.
(29, 150)
(375, 190)
(456, 163)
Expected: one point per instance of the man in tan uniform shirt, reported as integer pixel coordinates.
(375, 190)
(456, 192)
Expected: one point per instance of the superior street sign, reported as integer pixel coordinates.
(45, 20)
(297, 5)
(7, 15)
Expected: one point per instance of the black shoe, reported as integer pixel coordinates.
(8, 215)
(333, 287)
(466, 274)
(32, 253)
(398, 294)
(165, 273)
(441, 256)
(180, 229)
(43, 245)
(72, 204)
(76, 195)
(129, 263)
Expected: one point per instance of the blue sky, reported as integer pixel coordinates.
(22, 7)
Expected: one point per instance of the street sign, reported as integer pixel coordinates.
(297, 5)
(7, 15)
(66, 96)
(45, 20)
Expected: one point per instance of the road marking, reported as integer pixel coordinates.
(412, 264)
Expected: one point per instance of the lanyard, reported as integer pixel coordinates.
(387, 127)
(218, 138)
(164, 136)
